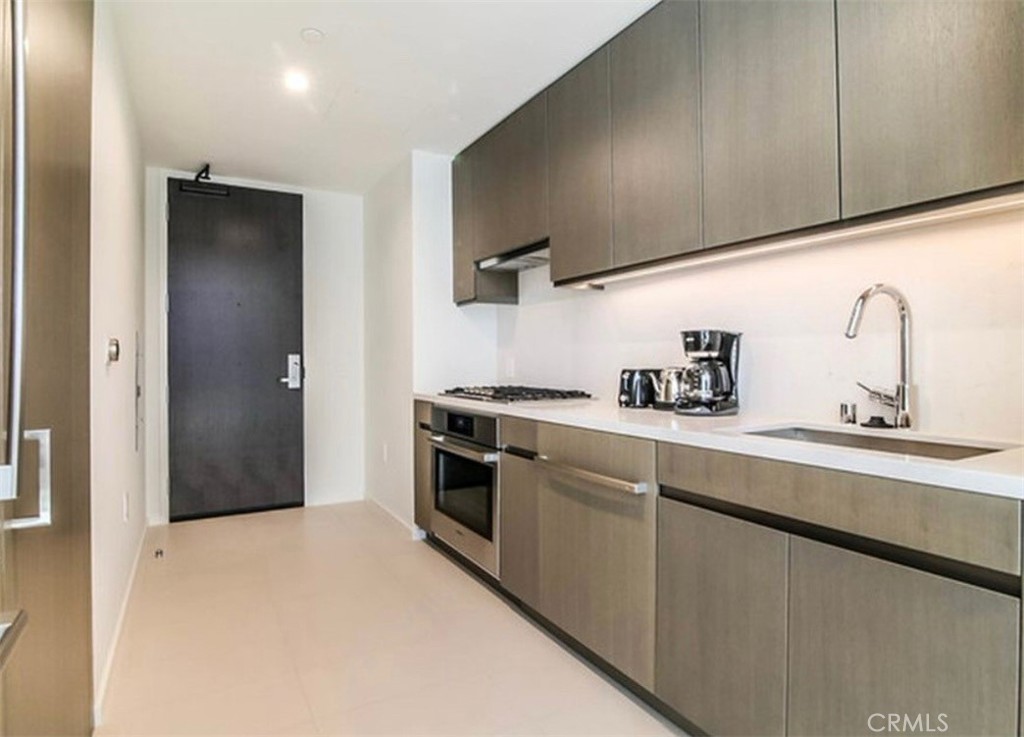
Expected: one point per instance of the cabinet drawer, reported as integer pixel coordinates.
(971, 528)
(872, 637)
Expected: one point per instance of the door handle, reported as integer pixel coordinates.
(19, 212)
(294, 378)
(609, 482)
(44, 518)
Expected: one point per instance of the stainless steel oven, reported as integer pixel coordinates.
(465, 484)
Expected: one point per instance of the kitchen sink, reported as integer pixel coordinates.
(900, 445)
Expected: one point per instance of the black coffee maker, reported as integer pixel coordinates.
(710, 378)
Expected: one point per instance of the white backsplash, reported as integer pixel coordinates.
(964, 281)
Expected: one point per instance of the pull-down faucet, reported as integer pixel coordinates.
(901, 399)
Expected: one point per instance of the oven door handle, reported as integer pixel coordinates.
(439, 442)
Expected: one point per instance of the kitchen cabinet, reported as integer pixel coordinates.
(872, 637)
(423, 466)
(931, 100)
(510, 182)
(978, 529)
(722, 599)
(655, 108)
(519, 552)
(468, 283)
(580, 170)
(596, 543)
(769, 119)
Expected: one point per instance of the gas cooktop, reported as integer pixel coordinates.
(513, 393)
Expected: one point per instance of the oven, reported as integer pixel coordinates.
(465, 484)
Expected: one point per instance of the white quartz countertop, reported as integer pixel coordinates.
(999, 473)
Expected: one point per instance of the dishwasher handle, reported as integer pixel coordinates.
(609, 482)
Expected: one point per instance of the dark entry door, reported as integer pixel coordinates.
(234, 278)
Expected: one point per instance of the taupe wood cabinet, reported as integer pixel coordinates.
(597, 545)
(469, 284)
(519, 551)
(510, 190)
(423, 467)
(656, 178)
(580, 170)
(868, 636)
(931, 100)
(769, 118)
(721, 647)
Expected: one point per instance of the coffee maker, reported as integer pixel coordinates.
(710, 378)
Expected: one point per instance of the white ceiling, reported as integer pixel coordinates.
(206, 78)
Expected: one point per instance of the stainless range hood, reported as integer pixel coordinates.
(520, 259)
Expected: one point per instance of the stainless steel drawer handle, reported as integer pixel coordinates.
(610, 482)
(44, 518)
(439, 442)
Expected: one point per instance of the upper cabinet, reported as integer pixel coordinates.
(709, 123)
(655, 108)
(931, 100)
(580, 170)
(769, 123)
(510, 181)
(469, 284)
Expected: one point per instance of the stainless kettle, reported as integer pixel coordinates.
(668, 384)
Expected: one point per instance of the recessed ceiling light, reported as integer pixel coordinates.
(312, 35)
(296, 81)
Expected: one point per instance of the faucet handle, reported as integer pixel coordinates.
(886, 399)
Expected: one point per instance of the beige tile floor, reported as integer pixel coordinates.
(332, 620)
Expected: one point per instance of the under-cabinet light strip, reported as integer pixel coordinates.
(1003, 203)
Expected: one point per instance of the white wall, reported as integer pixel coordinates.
(333, 341)
(451, 345)
(389, 341)
(116, 311)
(964, 282)
(417, 339)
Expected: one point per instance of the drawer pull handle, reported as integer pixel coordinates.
(609, 482)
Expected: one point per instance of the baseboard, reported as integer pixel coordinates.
(100, 694)
(414, 531)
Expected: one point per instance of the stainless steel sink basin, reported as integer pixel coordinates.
(902, 446)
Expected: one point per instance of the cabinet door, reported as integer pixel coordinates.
(468, 284)
(580, 170)
(655, 87)
(721, 648)
(931, 99)
(769, 117)
(519, 549)
(510, 181)
(463, 267)
(597, 546)
(872, 637)
(423, 468)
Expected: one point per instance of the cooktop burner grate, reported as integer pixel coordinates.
(513, 393)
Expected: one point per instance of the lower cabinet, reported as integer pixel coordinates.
(423, 467)
(596, 543)
(872, 641)
(519, 569)
(721, 647)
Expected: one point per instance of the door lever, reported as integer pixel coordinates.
(294, 378)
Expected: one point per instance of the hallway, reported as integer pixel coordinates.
(331, 620)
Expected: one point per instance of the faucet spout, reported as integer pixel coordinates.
(903, 416)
